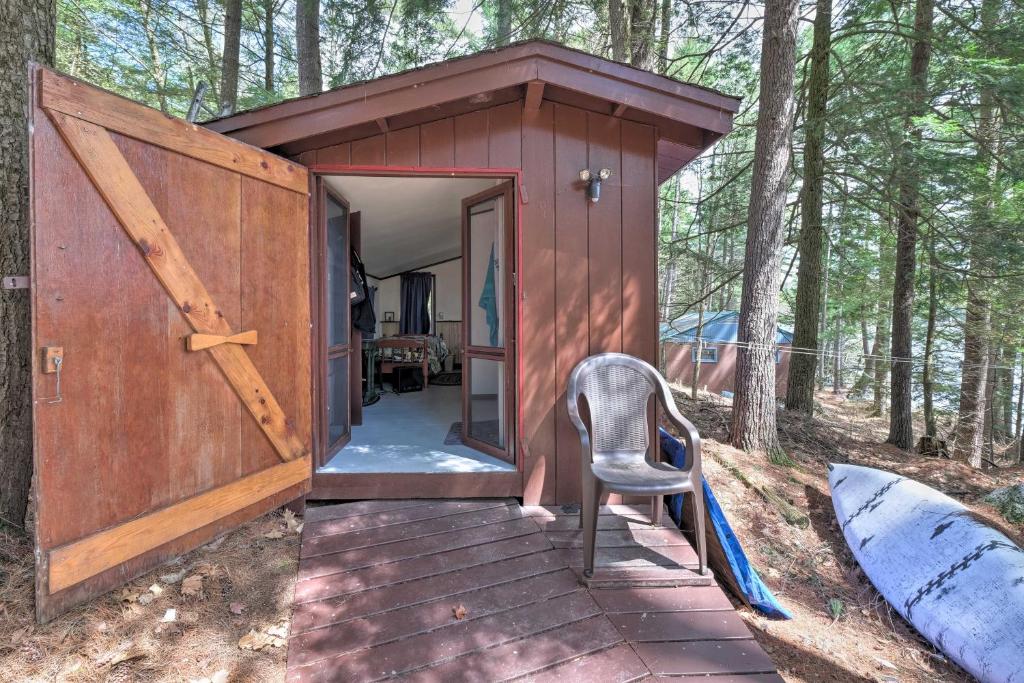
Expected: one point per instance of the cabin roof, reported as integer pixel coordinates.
(689, 118)
(718, 326)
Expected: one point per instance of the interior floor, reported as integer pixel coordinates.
(407, 433)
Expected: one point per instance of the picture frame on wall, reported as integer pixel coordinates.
(389, 316)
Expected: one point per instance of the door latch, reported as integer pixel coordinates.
(53, 359)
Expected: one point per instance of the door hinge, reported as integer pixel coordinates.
(15, 282)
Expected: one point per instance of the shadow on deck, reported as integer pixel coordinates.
(486, 590)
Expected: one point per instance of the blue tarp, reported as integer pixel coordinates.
(753, 588)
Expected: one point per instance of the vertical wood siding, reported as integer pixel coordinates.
(589, 270)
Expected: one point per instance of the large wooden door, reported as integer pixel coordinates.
(170, 277)
(488, 330)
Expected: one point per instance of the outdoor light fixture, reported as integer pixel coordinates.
(593, 181)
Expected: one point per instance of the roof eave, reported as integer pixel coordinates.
(455, 80)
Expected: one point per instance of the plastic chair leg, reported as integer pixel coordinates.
(699, 529)
(590, 510)
(657, 504)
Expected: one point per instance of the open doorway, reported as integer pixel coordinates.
(416, 324)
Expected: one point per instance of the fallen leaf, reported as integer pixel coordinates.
(275, 534)
(280, 631)
(192, 586)
(255, 640)
(236, 608)
(173, 578)
(885, 663)
(459, 612)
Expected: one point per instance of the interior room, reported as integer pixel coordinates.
(425, 253)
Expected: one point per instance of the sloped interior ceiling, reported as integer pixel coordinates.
(407, 222)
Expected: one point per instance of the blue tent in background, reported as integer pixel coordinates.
(742, 577)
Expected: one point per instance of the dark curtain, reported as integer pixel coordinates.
(415, 312)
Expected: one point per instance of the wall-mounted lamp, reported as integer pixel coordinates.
(593, 181)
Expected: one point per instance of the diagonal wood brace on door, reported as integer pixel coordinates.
(115, 181)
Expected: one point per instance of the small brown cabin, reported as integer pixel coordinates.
(718, 332)
(199, 360)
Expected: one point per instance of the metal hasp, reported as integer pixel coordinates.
(15, 282)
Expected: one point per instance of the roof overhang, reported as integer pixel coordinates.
(688, 118)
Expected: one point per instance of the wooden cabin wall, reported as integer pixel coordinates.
(589, 270)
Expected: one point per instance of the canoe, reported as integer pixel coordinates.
(958, 581)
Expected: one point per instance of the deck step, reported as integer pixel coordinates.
(645, 577)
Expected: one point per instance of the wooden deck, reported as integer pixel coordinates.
(486, 590)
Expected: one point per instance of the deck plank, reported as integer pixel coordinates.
(662, 599)
(635, 556)
(648, 538)
(320, 513)
(409, 621)
(380, 583)
(340, 583)
(619, 664)
(529, 657)
(395, 533)
(351, 523)
(431, 545)
(641, 627)
(310, 615)
(451, 641)
(704, 657)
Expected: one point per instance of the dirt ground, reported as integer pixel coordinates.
(810, 568)
(220, 613)
(217, 614)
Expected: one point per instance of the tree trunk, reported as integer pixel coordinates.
(617, 29)
(807, 309)
(663, 37)
(698, 346)
(642, 15)
(212, 58)
(883, 330)
(268, 42)
(27, 33)
(837, 355)
(901, 427)
(229, 63)
(753, 414)
(928, 375)
(823, 309)
(970, 426)
(307, 40)
(974, 390)
(158, 71)
(503, 23)
(1020, 412)
(868, 369)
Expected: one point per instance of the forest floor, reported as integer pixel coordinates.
(808, 567)
(221, 613)
(215, 615)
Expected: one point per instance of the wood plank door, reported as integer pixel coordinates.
(171, 332)
(488, 328)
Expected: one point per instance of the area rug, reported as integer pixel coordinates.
(486, 431)
(447, 379)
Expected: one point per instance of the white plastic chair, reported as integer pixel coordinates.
(616, 450)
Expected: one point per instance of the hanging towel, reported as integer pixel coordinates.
(489, 301)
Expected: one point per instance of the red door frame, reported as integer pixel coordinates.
(405, 485)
